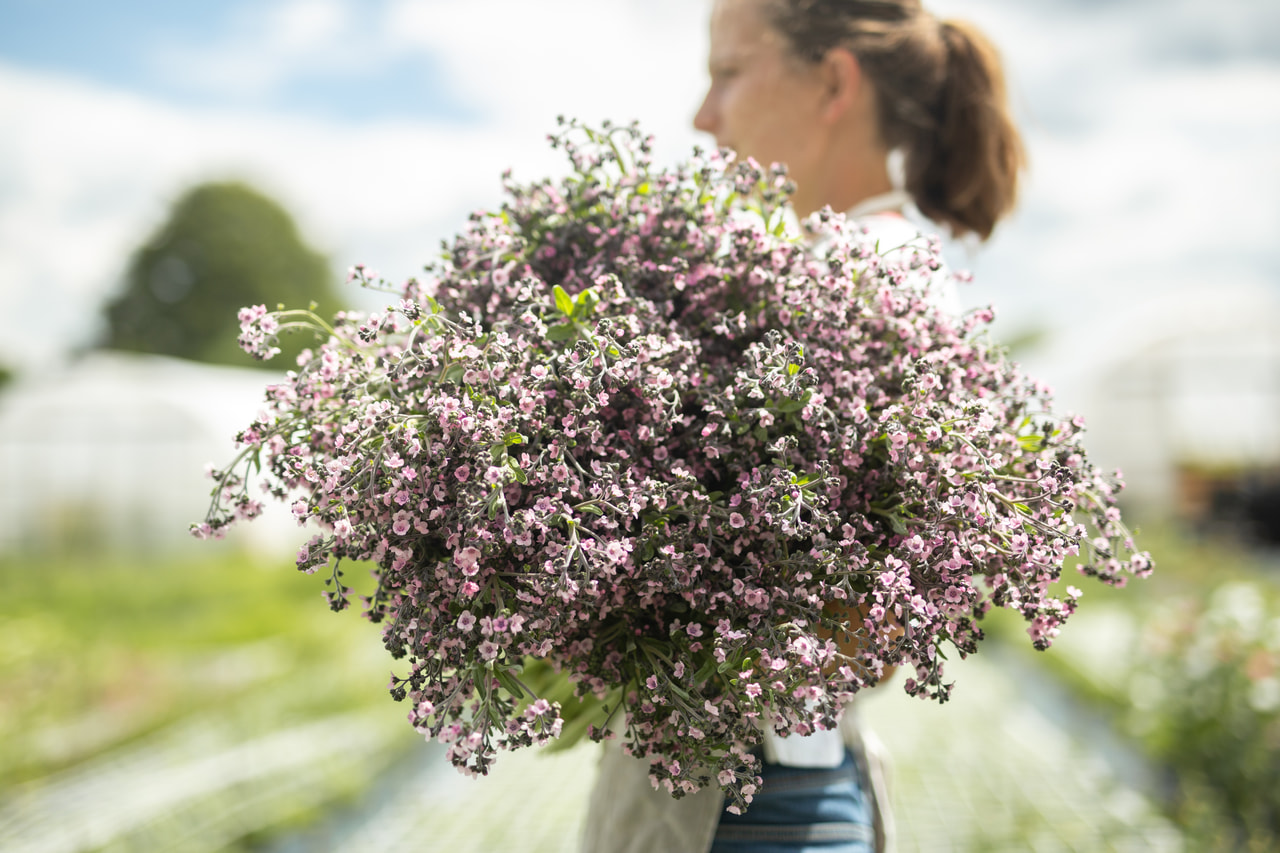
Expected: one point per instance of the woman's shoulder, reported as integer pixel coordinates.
(901, 232)
(890, 230)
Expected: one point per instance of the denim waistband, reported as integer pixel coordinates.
(781, 778)
(811, 833)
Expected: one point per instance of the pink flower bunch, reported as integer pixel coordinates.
(719, 475)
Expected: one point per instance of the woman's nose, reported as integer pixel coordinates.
(705, 118)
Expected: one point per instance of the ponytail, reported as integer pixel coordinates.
(941, 100)
(963, 171)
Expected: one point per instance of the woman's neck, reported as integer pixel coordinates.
(848, 179)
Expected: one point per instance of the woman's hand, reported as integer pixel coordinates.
(850, 643)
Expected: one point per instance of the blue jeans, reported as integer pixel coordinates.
(802, 810)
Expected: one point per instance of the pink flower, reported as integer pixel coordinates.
(736, 520)
(466, 560)
(617, 550)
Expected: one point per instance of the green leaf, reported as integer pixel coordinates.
(586, 303)
(563, 301)
(514, 438)
(562, 332)
(509, 683)
(591, 508)
(704, 672)
(777, 224)
(454, 373)
(679, 691)
(1034, 443)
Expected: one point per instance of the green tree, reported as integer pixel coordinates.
(224, 246)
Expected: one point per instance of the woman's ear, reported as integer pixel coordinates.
(842, 80)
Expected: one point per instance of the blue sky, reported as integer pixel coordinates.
(139, 46)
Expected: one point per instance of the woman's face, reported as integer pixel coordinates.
(762, 103)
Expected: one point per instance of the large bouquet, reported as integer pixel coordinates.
(718, 474)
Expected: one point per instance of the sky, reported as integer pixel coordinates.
(1152, 127)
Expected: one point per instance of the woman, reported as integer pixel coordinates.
(830, 88)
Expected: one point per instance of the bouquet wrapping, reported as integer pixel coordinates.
(716, 473)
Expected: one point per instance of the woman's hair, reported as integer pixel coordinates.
(941, 100)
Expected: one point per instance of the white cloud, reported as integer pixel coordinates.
(266, 46)
(86, 172)
(525, 62)
(1147, 175)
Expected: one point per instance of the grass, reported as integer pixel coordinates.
(94, 653)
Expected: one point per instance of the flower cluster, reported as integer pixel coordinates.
(718, 474)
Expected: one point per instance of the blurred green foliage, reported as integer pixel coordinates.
(224, 246)
(1207, 703)
(1187, 664)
